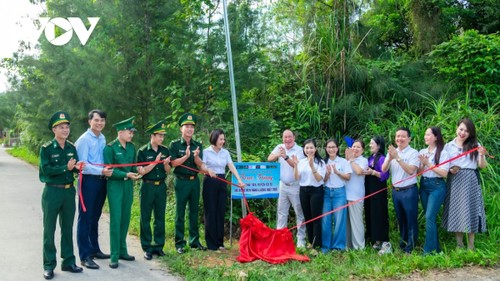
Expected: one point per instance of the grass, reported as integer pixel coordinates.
(24, 153)
(362, 264)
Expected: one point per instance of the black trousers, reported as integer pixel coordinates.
(214, 203)
(311, 199)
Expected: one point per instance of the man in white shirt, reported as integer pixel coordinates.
(289, 187)
(403, 163)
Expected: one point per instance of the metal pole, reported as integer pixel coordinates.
(233, 93)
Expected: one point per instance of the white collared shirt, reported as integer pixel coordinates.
(355, 187)
(335, 181)
(286, 171)
(409, 156)
(306, 176)
(216, 161)
(442, 158)
(463, 162)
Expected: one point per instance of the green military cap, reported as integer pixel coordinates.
(59, 118)
(158, 128)
(127, 124)
(187, 118)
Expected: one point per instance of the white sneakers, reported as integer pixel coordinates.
(301, 244)
(385, 249)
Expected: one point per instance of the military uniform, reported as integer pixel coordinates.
(187, 187)
(58, 199)
(153, 194)
(120, 192)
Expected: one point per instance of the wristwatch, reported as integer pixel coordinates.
(397, 160)
(286, 158)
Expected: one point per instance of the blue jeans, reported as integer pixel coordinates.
(432, 194)
(406, 207)
(334, 198)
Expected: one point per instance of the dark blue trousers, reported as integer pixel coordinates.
(94, 194)
(406, 207)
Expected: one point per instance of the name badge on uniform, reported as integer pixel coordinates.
(54, 155)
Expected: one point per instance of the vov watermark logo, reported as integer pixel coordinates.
(68, 25)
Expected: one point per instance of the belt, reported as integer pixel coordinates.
(154, 182)
(99, 177)
(403, 187)
(186, 177)
(65, 186)
(293, 183)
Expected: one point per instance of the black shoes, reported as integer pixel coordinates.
(127, 257)
(48, 274)
(199, 247)
(148, 256)
(100, 255)
(180, 251)
(89, 263)
(113, 265)
(160, 253)
(72, 268)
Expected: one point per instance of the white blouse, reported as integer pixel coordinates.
(442, 158)
(306, 175)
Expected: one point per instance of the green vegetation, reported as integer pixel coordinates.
(322, 68)
(24, 153)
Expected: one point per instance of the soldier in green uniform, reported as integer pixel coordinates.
(187, 152)
(58, 163)
(153, 194)
(120, 189)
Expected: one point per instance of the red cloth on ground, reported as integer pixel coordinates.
(258, 241)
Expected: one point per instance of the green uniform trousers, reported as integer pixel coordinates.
(120, 197)
(153, 200)
(58, 202)
(187, 192)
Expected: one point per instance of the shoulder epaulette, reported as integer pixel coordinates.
(47, 144)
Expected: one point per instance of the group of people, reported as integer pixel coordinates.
(332, 187)
(108, 171)
(329, 195)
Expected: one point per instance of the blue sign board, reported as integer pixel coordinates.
(262, 180)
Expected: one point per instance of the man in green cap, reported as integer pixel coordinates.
(153, 194)
(58, 163)
(120, 189)
(187, 152)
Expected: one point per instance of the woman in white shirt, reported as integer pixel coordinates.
(432, 185)
(216, 158)
(464, 204)
(310, 173)
(338, 171)
(355, 189)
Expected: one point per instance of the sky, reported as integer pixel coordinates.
(15, 25)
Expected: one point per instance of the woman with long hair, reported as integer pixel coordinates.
(432, 184)
(338, 171)
(464, 204)
(376, 208)
(310, 173)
